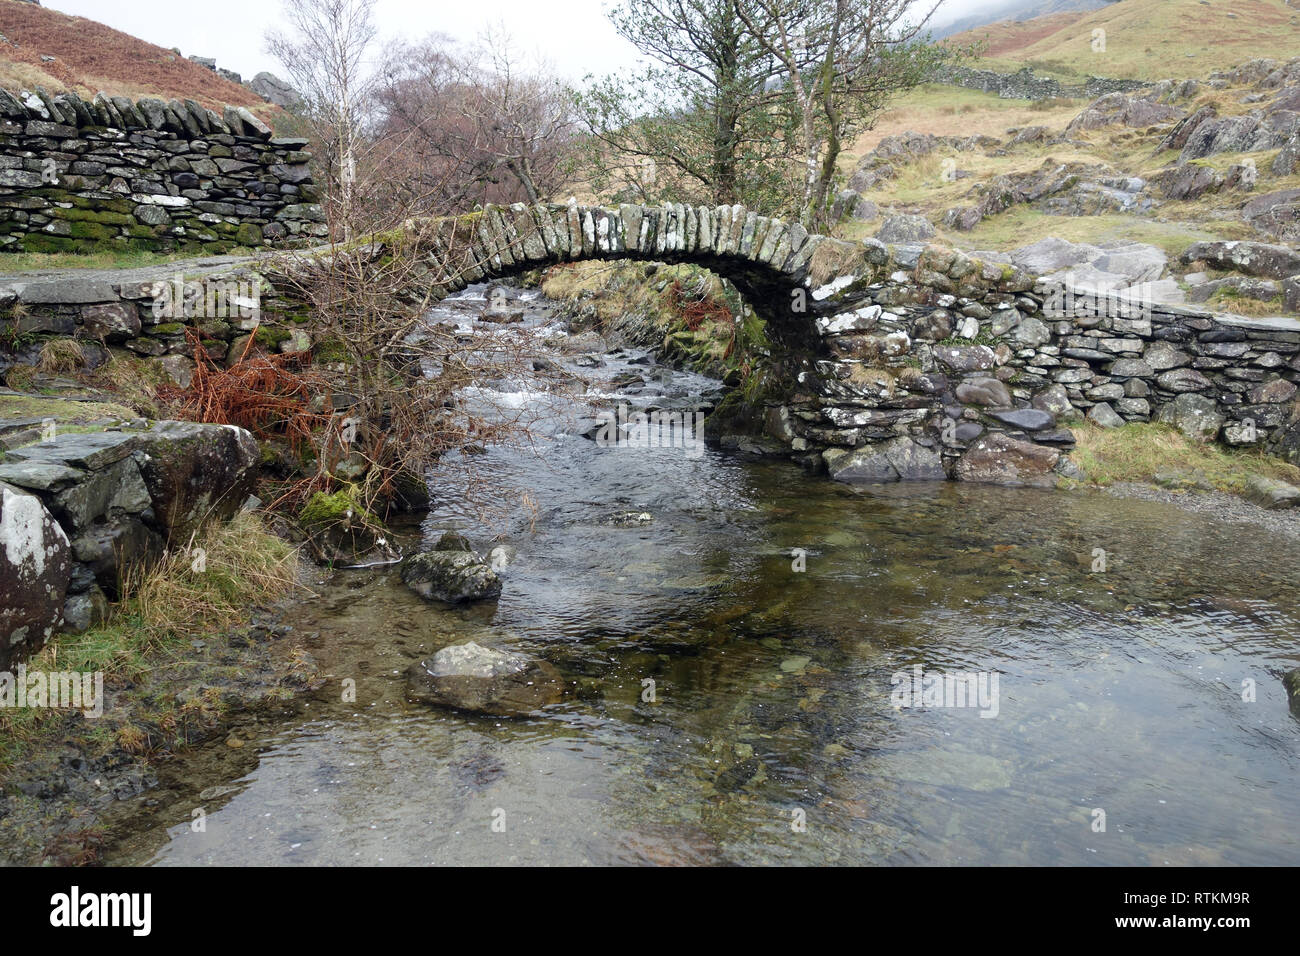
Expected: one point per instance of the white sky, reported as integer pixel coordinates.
(574, 35)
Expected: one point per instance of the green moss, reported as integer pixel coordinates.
(331, 351)
(343, 505)
(104, 217)
(167, 328)
(269, 336)
(91, 230)
(249, 234)
(39, 242)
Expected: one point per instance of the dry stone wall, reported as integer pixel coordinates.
(150, 175)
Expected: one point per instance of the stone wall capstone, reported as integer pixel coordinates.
(149, 175)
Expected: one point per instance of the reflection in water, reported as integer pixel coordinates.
(1120, 691)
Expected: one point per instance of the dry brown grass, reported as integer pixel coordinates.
(241, 565)
(89, 56)
(59, 356)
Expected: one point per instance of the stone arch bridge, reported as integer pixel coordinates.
(918, 361)
(890, 362)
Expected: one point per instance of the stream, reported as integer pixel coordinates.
(743, 666)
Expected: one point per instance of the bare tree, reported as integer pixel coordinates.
(697, 123)
(843, 60)
(324, 52)
(483, 123)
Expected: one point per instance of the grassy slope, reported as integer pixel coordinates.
(921, 189)
(89, 56)
(1145, 39)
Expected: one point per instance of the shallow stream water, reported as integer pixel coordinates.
(738, 663)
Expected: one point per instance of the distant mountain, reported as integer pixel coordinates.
(1017, 11)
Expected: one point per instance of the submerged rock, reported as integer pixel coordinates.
(451, 576)
(481, 680)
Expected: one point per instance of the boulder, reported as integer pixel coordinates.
(35, 568)
(451, 576)
(1000, 459)
(905, 229)
(481, 680)
(1196, 416)
(1124, 110)
(195, 472)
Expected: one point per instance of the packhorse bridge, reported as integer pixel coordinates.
(894, 362)
(919, 362)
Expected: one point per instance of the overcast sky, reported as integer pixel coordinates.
(574, 35)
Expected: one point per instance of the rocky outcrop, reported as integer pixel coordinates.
(1062, 189)
(480, 680)
(275, 90)
(1252, 258)
(161, 175)
(98, 502)
(1121, 109)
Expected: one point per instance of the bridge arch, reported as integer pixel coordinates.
(788, 275)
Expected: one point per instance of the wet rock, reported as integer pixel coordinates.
(480, 680)
(1292, 684)
(35, 568)
(1271, 493)
(629, 519)
(451, 576)
(1001, 459)
(453, 541)
(901, 459)
(1196, 416)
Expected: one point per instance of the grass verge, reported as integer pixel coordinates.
(1139, 451)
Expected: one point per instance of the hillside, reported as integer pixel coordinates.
(40, 47)
(1017, 10)
(1144, 39)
